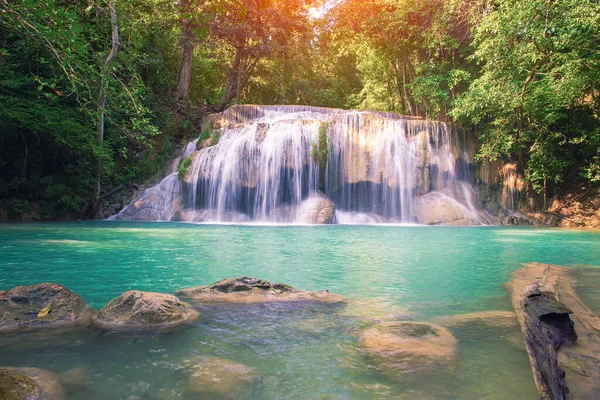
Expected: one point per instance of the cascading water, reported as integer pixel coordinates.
(296, 164)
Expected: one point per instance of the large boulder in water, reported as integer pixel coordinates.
(135, 309)
(246, 289)
(213, 376)
(29, 384)
(41, 305)
(317, 209)
(408, 346)
(434, 208)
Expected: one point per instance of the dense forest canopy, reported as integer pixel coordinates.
(95, 93)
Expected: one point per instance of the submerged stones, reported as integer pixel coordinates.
(408, 346)
(246, 289)
(41, 305)
(219, 377)
(135, 309)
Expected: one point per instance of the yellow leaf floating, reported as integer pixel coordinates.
(44, 311)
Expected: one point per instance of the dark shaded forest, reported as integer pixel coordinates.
(99, 93)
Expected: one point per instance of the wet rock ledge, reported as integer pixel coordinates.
(562, 335)
(246, 289)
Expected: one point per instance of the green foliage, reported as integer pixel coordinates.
(50, 68)
(183, 167)
(523, 74)
(537, 92)
(320, 150)
(206, 132)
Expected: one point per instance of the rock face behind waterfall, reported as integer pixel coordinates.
(266, 163)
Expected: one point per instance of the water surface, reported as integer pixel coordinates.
(311, 351)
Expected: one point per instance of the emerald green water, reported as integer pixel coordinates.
(298, 352)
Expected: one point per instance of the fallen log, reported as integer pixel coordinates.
(561, 334)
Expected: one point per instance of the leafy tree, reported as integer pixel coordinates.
(254, 29)
(539, 63)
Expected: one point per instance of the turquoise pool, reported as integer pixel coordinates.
(305, 352)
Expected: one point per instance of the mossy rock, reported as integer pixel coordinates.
(15, 385)
(29, 384)
(42, 305)
(142, 310)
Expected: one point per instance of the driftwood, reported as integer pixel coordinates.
(562, 335)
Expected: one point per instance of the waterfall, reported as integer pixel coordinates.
(298, 164)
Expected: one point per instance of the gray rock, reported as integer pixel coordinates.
(20, 306)
(135, 309)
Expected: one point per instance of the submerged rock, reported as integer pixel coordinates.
(135, 309)
(407, 346)
(375, 310)
(220, 377)
(491, 318)
(75, 379)
(41, 305)
(29, 384)
(246, 289)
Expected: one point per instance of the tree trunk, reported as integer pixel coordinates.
(545, 194)
(238, 84)
(104, 76)
(187, 58)
(398, 86)
(232, 79)
(411, 108)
